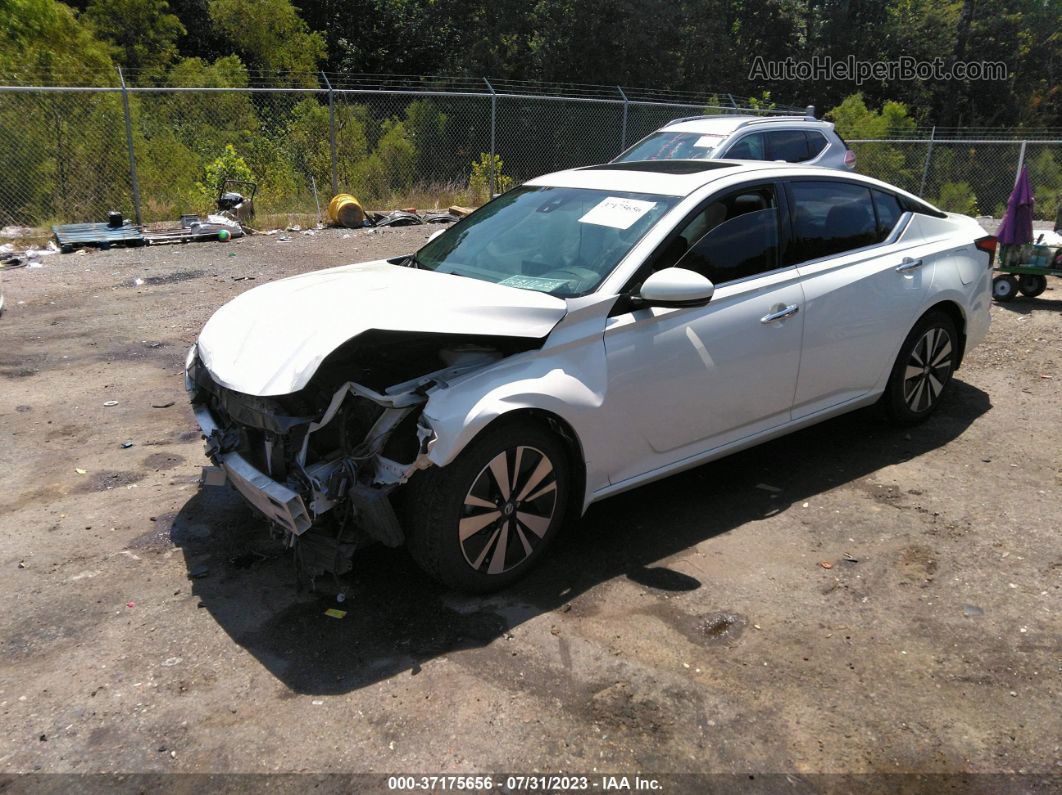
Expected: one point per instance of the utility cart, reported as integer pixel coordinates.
(1024, 269)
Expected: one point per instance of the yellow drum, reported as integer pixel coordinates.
(346, 211)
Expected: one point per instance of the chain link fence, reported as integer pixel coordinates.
(970, 176)
(71, 154)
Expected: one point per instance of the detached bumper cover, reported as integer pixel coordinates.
(274, 500)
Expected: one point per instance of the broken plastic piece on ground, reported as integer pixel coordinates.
(397, 218)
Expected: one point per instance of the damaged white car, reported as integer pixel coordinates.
(588, 332)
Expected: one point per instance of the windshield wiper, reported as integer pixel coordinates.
(412, 262)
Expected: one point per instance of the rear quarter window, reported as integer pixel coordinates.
(888, 210)
(816, 143)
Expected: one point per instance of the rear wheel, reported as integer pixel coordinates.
(483, 521)
(1004, 288)
(1032, 286)
(922, 370)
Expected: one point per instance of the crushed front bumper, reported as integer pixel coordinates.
(274, 500)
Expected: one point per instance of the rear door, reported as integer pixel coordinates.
(865, 275)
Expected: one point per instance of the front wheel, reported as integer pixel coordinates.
(483, 521)
(923, 370)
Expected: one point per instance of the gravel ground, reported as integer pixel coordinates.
(849, 599)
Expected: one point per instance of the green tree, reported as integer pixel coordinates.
(44, 41)
(143, 32)
(268, 34)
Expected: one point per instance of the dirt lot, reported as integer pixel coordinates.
(850, 599)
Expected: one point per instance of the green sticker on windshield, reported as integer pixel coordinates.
(534, 283)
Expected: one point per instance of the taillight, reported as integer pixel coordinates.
(849, 158)
(987, 244)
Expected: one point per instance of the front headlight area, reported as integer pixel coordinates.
(190, 361)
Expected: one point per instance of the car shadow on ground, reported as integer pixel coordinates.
(396, 618)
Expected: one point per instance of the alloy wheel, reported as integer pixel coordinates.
(508, 510)
(928, 369)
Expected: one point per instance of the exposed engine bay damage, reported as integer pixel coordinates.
(321, 463)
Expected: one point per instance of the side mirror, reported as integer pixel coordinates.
(676, 287)
(435, 234)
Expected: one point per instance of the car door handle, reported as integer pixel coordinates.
(907, 265)
(788, 311)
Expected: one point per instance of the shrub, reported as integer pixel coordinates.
(228, 166)
(479, 182)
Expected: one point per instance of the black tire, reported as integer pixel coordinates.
(1032, 286)
(912, 397)
(1004, 288)
(494, 555)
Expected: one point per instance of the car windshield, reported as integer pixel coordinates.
(673, 146)
(561, 241)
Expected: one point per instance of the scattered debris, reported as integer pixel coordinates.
(767, 487)
(334, 613)
(109, 403)
(80, 471)
(972, 610)
(130, 604)
(825, 564)
(850, 558)
(169, 662)
(127, 444)
(194, 229)
(100, 235)
(460, 211)
(165, 405)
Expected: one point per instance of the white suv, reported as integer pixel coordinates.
(808, 141)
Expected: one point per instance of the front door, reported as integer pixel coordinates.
(691, 379)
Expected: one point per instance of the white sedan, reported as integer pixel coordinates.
(583, 334)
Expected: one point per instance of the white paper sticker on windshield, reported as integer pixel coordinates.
(618, 213)
(706, 142)
(534, 283)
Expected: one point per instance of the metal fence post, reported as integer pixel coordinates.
(1021, 162)
(493, 129)
(925, 167)
(332, 134)
(623, 129)
(132, 155)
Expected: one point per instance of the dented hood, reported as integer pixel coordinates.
(270, 340)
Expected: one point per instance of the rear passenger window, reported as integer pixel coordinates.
(889, 211)
(751, 147)
(830, 218)
(734, 236)
(816, 143)
(788, 145)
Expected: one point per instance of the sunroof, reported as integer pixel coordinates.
(662, 166)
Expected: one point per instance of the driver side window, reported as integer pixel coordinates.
(733, 236)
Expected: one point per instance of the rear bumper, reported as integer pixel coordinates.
(274, 500)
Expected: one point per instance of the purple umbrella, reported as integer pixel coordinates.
(1016, 227)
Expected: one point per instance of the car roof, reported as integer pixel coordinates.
(661, 177)
(684, 177)
(724, 125)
